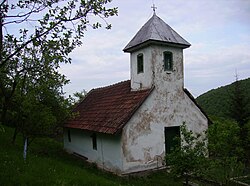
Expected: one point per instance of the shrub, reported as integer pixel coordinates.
(189, 159)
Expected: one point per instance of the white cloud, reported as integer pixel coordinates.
(217, 30)
(217, 68)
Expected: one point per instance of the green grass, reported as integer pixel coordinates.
(48, 164)
(244, 179)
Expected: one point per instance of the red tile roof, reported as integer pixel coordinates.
(108, 109)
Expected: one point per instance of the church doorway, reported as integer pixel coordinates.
(170, 138)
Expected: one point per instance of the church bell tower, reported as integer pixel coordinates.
(156, 56)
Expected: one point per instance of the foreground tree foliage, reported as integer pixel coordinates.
(189, 158)
(225, 151)
(239, 112)
(36, 36)
(239, 104)
(222, 141)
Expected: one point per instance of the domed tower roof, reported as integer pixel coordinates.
(156, 31)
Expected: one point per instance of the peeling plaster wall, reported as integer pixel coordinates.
(154, 73)
(145, 78)
(107, 155)
(143, 140)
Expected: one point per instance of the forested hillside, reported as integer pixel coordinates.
(216, 102)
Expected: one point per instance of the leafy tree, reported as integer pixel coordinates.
(240, 113)
(1, 128)
(49, 31)
(78, 97)
(225, 150)
(189, 158)
(31, 93)
(239, 103)
(247, 143)
(224, 139)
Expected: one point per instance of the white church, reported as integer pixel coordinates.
(129, 126)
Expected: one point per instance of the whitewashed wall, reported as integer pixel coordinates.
(154, 73)
(107, 155)
(145, 78)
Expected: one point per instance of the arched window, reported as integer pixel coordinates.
(168, 60)
(140, 63)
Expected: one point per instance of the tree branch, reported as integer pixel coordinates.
(1, 37)
(42, 34)
(28, 42)
(3, 3)
(27, 15)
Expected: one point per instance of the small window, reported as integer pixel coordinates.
(69, 137)
(140, 63)
(94, 141)
(168, 61)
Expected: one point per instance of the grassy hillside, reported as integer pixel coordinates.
(48, 164)
(216, 102)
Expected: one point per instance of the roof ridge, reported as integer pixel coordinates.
(109, 86)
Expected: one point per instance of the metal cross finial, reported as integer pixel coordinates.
(154, 8)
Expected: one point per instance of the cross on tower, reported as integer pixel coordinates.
(154, 8)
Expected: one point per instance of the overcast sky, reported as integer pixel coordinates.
(218, 30)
